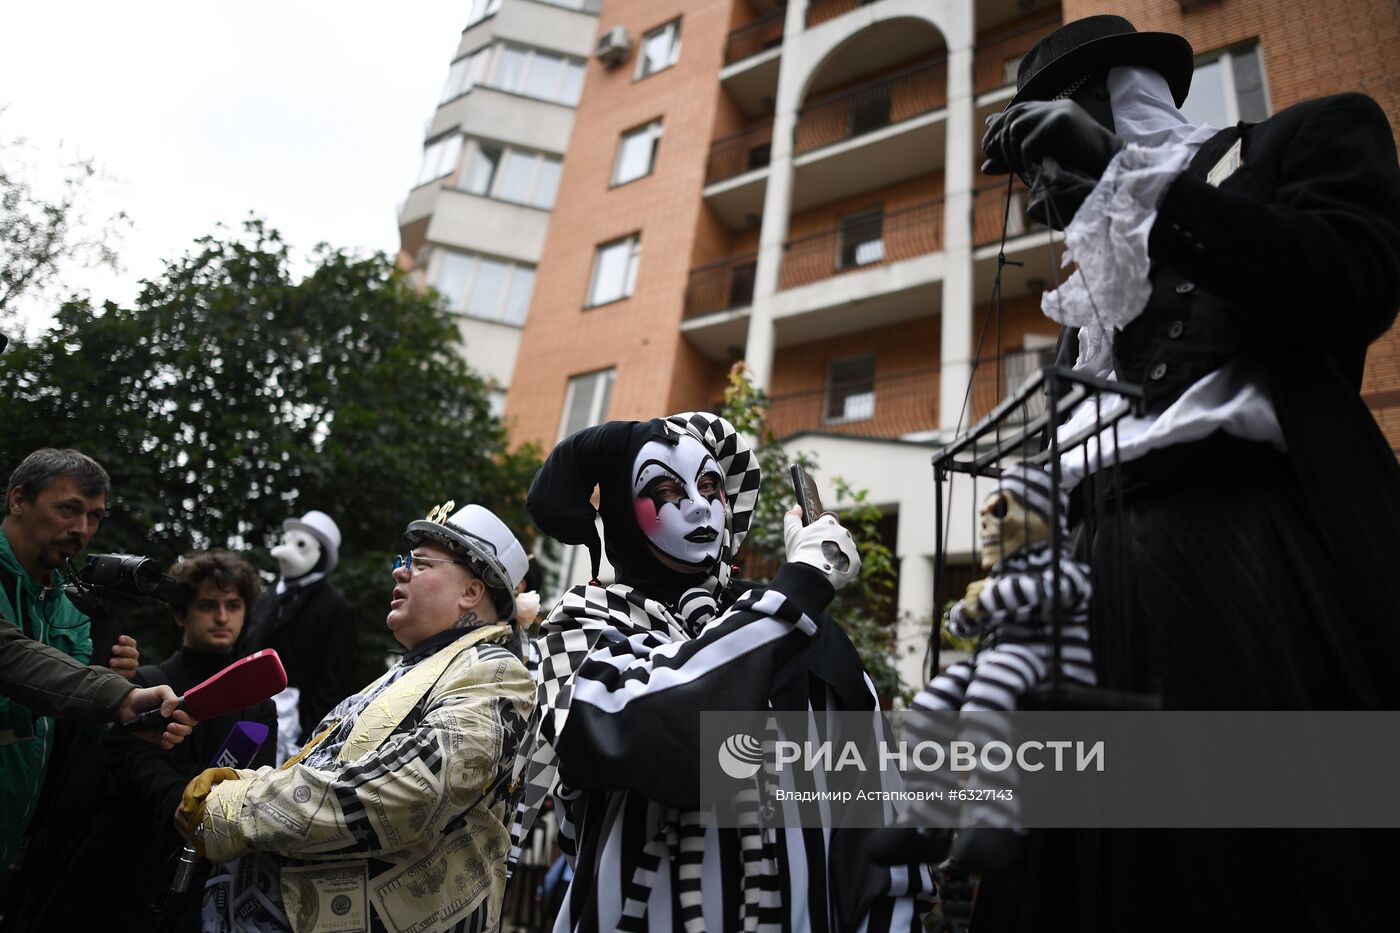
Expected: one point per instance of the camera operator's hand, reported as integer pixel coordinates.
(126, 658)
(823, 545)
(178, 725)
(1020, 137)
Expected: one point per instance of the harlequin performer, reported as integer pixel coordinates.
(625, 670)
(1238, 276)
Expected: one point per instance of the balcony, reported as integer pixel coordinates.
(990, 211)
(762, 34)
(996, 54)
(874, 239)
(903, 403)
(721, 286)
(743, 152)
(871, 106)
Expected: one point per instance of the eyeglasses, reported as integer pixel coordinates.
(406, 561)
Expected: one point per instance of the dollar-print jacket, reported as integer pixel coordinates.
(408, 829)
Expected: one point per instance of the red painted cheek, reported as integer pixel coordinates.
(646, 513)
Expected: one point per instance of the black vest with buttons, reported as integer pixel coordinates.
(1184, 333)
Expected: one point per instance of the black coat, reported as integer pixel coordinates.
(1293, 265)
(312, 628)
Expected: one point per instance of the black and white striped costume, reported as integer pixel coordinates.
(622, 680)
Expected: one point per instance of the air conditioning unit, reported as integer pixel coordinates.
(614, 47)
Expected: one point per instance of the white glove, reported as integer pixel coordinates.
(823, 545)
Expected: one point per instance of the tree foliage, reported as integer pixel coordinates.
(41, 230)
(865, 608)
(230, 397)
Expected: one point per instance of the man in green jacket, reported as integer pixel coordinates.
(54, 502)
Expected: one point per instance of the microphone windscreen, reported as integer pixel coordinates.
(243, 683)
(243, 742)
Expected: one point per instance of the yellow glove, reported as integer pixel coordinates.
(197, 791)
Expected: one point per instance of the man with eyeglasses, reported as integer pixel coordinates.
(395, 815)
(54, 502)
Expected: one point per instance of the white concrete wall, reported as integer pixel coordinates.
(490, 348)
(538, 25)
(483, 225)
(487, 113)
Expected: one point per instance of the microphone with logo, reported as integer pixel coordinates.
(243, 742)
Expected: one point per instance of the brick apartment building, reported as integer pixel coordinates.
(796, 185)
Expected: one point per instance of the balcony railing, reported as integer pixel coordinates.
(721, 286)
(871, 106)
(992, 59)
(744, 151)
(858, 243)
(989, 209)
(819, 11)
(897, 404)
(758, 36)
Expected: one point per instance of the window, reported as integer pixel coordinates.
(661, 48)
(1228, 87)
(614, 270)
(1009, 69)
(439, 159)
(538, 74)
(860, 239)
(492, 289)
(497, 400)
(871, 109)
(636, 154)
(586, 401)
(1036, 353)
(512, 175)
(480, 9)
(850, 389)
(466, 73)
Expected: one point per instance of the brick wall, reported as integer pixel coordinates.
(638, 335)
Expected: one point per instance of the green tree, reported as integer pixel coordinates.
(43, 230)
(231, 396)
(865, 608)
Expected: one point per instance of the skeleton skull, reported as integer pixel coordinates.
(1008, 526)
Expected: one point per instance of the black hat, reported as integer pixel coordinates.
(1097, 43)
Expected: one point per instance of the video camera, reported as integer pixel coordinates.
(117, 575)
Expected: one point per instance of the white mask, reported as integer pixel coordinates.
(679, 499)
(297, 554)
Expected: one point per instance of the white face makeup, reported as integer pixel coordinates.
(679, 498)
(297, 554)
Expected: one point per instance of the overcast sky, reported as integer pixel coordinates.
(310, 113)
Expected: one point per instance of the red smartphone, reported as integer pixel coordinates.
(805, 488)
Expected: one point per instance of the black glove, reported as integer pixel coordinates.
(1019, 138)
(1057, 194)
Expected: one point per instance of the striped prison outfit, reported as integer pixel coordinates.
(1015, 654)
(623, 679)
(396, 816)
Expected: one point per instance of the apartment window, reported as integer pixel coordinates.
(538, 74)
(661, 48)
(861, 239)
(636, 154)
(466, 73)
(1010, 68)
(480, 9)
(439, 159)
(1037, 352)
(512, 175)
(871, 110)
(1228, 87)
(586, 401)
(491, 289)
(850, 389)
(614, 270)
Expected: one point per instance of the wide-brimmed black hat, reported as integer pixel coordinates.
(1097, 43)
